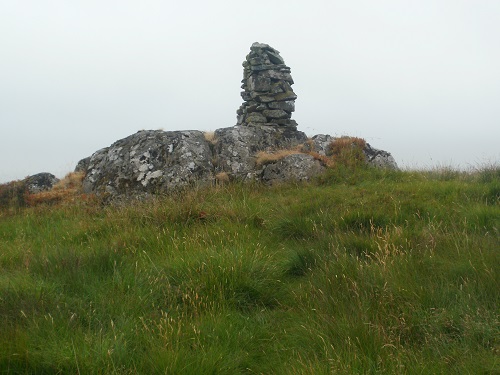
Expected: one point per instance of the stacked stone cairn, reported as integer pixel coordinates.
(267, 83)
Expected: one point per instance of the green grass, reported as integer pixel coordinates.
(362, 271)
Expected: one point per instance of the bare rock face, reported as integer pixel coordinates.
(379, 158)
(267, 83)
(148, 162)
(236, 147)
(295, 167)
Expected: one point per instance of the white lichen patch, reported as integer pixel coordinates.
(150, 176)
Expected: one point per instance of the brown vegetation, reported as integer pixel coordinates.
(264, 157)
(347, 151)
(222, 177)
(209, 137)
(66, 190)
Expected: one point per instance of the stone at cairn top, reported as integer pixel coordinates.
(267, 84)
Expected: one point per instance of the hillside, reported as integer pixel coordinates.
(360, 271)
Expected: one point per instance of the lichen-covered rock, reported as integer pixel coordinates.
(40, 182)
(321, 144)
(236, 147)
(295, 167)
(149, 162)
(82, 165)
(379, 158)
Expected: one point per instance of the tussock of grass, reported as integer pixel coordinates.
(264, 157)
(222, 177)
(364, 271)
(210, 137)
(347, 151)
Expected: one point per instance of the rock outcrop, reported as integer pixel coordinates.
(160, 161)
(148, 162)
(294, 167)
(379, 158)
(236, 147)
(267, 83)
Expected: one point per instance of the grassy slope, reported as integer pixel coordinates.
(365, 271)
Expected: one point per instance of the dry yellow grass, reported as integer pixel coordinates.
(222, 177)
(263, 157)
(343, 143)
(210, 137)
(348, 151)
(67, 189)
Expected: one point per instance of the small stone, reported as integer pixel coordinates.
(252, 108)
(276, 88)
(275, 113)
(246, 95)
(259, 82)
(285, 96)
(288, 106)
(267, 67)
(284, 121)
(262, 98)
(275, 58)
(281, 76)
(255, 117)
(262, 46)
(259, 60)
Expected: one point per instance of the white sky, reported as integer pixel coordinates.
(420, 79)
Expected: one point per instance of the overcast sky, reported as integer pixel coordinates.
(420, 79)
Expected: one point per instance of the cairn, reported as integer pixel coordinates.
(267, 83)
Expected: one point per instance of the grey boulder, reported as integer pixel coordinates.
(40, 182)
(236, 147)
(379, 158)
(148, 162)
(295, 167)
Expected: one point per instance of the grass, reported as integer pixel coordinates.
(263, 157)
(361, 271)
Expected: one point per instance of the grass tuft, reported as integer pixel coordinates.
(264, 157)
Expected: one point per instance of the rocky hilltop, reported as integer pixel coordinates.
(160, 161)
